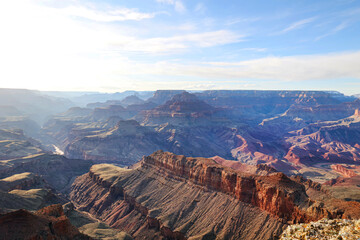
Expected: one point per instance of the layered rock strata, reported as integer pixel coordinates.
(176, 197)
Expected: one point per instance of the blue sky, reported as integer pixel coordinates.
(113, 46)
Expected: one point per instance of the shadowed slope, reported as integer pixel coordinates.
(47, 223)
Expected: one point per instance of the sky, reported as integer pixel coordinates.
(114, 45)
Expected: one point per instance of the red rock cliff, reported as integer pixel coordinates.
(276, 193)
(348, 173)
(176, 197)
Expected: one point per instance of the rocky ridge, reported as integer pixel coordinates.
(158, 212)
(176, 197)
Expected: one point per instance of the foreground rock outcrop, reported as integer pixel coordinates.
(48, 223)
(324, 229)
(26, 191)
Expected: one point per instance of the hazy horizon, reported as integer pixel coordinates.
(107, 46)
(165, 89)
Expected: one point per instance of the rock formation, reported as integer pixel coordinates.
(124, 143)
(182, 108)
(130, 100)
(357, 112)
(14, 144)
(345, 172)
(324, 229)
(22, 181)
(58, 171)
(332, 141)
(91, 226)
(177, 197)
(229, 124)
(162, 96)
(47, 223)
(239, 193)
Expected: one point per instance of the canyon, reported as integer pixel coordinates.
(175, 164)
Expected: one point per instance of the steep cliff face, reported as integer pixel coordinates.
(155, 208)
(260, 169)
(189, 198)
(261, 191)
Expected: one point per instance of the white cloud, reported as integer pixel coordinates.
(45, 48)
(291, 68)
(254, 49)
(351, 12)
(242, 20)
(179, 6)
(287, 69)
(112, 15)
(295, 68)
(297, 25)
(181, 42)
(200, 8)
(338, 28)
(166, 1)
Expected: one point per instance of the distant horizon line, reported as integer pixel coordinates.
(188, 90)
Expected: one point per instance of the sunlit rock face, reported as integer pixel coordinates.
(324, 229)
(174, 196)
